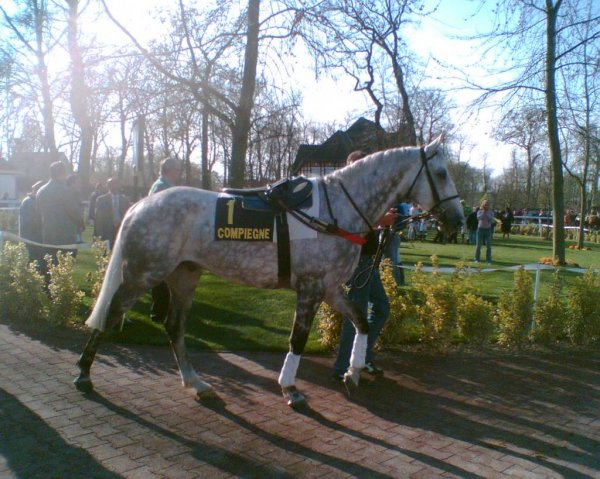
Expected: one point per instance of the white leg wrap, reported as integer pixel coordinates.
(359, 351)
(287, 377)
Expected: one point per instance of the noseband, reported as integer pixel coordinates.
(434, 192)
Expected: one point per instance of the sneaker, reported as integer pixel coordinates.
(373, 370)
(339, 377)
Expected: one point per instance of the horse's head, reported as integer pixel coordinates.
(433, 188)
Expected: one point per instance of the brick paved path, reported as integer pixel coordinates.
(534, 415)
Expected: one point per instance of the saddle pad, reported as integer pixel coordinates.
(299, 231)
(234, 223)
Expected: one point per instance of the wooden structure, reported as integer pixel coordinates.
(363, 134)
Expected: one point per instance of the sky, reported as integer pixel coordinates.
(432, 39)
(333, 100)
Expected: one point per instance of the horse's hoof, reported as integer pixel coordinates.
(295, 398)
(84, 384)
(206, 394)
(351, 380)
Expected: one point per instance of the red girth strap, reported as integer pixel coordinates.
(354, 238)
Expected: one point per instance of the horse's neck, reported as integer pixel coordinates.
(373, 185)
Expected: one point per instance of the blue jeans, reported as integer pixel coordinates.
(392, 251)
(372, 294)
(484, 235)
(472, 236)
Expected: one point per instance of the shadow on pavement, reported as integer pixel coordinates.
(32, 449)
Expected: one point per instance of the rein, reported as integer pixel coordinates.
(384, 237)
(434, 192)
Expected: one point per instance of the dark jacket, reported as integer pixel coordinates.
(471, 221)
(61, 213)
(30, 221)
(105, 223)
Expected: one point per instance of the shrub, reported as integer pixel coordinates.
(401, 308)
(9, 221)
(65, 297)
(583, 323)
(101, 258)
(549, 315)
(22, 294)
(438, 313)
(515, 311)
(475, 323)
(329, 325)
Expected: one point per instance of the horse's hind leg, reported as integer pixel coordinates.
(83, 382)
(182, 284)
(122, 300)
(307, 302)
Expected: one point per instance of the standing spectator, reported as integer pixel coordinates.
(392, 250)
(364, 295)
(507, 219)
(110, 210)
(485, 221)
(99, 190)
(60, 211)
(170, 171)
(30, 225)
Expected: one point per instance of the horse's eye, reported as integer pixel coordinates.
(442, 174)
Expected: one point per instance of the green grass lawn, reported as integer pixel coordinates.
(518, 250)
(227, 316)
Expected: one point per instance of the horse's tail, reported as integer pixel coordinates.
(112, 280)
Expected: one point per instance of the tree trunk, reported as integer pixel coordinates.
(79, 95)
(558, 231)
(42, 72)
(122, 124)
(241, 124)
(407, 116)
(582, 215)
(206, 183)
(528, 185)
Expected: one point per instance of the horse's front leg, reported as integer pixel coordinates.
(308, 299)
(339, 300)
(182, 284)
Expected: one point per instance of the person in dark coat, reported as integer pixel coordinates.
(507, 218)
(60, 210)
(110, 210)
(99, 190)
(471, 223)
(30, 224)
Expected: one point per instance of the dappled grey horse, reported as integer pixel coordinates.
(171, 237)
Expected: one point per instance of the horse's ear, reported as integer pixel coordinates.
(434, 145)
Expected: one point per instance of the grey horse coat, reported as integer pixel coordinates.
(170, 237)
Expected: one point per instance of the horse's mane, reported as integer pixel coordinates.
(365, 166)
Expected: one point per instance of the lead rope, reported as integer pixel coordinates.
(384, 238)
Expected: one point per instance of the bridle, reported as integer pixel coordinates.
(437, 202)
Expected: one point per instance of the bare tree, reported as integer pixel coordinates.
(80, 97)
(524, 128)
(539, 37)
(31, 29)
(365, 34)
